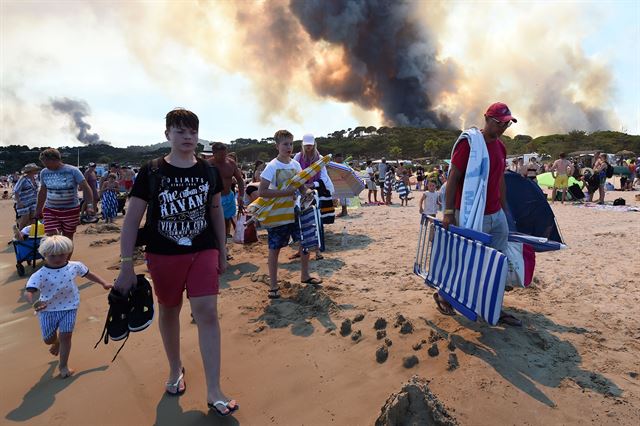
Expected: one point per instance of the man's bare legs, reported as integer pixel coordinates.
(169, 324)
(205, 312)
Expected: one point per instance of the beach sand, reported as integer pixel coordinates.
(575, 361)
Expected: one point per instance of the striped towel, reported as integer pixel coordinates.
(468, 274)
(272, 212)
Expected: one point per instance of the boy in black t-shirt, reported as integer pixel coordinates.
(185, 250)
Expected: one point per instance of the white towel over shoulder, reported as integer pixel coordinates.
(474, 187)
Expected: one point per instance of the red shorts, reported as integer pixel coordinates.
(172, 273)
(128, 184)
(61, 220)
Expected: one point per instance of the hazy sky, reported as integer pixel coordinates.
(123, 65)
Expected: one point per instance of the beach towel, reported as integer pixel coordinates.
(474, 189)
(109, 205)
(467, 273)
(261, 209)
(403, 190)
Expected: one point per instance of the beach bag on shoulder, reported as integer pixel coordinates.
(245, 233)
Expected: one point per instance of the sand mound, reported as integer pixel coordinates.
(414, 405)
(105, 228)
(104, 241)
(298, 305)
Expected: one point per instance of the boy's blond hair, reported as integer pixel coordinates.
(281, 135)
(55, 245)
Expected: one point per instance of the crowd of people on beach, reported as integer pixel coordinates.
(190, 206)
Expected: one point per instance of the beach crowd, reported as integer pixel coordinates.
(183, 209)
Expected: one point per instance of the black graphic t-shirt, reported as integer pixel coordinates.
(180, 221)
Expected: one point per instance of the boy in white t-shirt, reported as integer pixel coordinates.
(429, 200)
(59, 296)
(278, 171)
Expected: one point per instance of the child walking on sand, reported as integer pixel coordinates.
(109, 196)
(429, 200)
(59, 296)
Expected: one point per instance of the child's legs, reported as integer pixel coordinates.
(169, 324)
(277, 238)
(273, 267)
(205, 312)
(65, 350)
(304, 265)
(375, 196)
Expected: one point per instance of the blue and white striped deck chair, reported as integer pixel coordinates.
(466, 272)
(309, 222)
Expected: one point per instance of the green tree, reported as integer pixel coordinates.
(395, 152)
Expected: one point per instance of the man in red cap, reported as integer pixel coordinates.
(497, 118)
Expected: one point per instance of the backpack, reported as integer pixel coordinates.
(619, 202)
(142, 238)
(609, 170)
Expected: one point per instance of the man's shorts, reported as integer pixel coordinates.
(561, 181)
(50, 321)
(279, 236)
(61, 220)
(173, 273)
(228, 205)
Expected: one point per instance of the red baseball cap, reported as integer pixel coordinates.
(500, 111)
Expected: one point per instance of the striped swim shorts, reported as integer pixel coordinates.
(61, 220)
(50, 321)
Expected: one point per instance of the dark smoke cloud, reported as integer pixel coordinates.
(389, 62)
(77, 110)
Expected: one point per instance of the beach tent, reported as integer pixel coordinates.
(530, 211)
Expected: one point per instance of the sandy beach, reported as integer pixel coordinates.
(575, 360)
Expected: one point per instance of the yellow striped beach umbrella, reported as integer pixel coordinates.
(261, 208)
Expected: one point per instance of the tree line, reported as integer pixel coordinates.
(360, 143)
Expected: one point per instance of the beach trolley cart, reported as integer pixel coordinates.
(460, 265)
(27, 250)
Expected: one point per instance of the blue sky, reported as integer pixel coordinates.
(120, 59)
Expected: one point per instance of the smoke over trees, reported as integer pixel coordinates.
(77, 110)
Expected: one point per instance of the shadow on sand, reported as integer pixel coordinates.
(169, 413)
(43, 394)
(531, 355)
(236, 271)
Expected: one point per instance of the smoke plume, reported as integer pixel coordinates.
(387, 59)
(414, 63)
(77, 110)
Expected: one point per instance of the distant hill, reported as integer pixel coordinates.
(359, 142)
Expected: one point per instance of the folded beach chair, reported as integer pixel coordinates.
(310, 229)
(467, 273)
